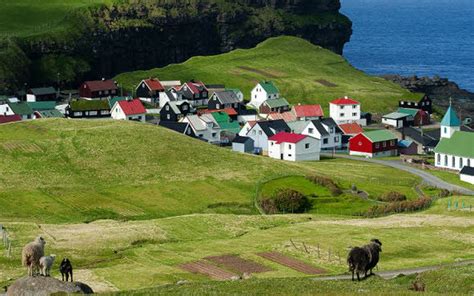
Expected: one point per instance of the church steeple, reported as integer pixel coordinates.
(450, 123)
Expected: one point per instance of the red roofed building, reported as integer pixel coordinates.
(230, 111)
(348, 131)
(307, 112)
(149, 89)
(98, 89)
(9, 118)
(293, 147)
(195, 92)
(286, 116)
(129, 110)
(345, 110)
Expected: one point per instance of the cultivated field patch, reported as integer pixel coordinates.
(205, 268)
(21, 146)
(238, 264)
(292, 263)
(266, 73)
(326, 83)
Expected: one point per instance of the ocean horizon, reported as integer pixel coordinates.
(406, 37)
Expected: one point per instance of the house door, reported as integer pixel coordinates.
(281, 156)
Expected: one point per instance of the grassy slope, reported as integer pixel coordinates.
(78, 171)
(294, 64)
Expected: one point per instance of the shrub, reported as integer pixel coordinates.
(285, 201)
(392, 196)
(444, 193)
(326, 182)
(399, 207)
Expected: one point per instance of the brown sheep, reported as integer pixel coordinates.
(31, 254)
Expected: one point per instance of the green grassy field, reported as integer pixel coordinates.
(296, 75)
(58, 171)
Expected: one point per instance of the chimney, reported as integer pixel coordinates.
(346, 97)
(103, 79)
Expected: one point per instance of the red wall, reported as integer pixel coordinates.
(366, 145)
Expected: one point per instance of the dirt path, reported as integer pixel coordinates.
(389, 274)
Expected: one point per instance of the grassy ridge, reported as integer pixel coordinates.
(78, 171)
(300, 69)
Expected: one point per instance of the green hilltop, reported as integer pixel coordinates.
(303, 72)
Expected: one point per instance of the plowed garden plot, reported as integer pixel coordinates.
(237, 264)
(292, 263)
(205, 268)
(21, 147)
(326, 83)
(268, 74)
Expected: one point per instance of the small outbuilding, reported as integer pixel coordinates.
(467, 174)
(243, 144)
(396, 119)
(407, 147)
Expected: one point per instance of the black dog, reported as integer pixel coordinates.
(66, 269)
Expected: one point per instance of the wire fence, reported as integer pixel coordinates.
(6, 242)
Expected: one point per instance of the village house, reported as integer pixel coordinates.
(195, 92)
(349, 130)
(9, 118)
(98, 89)
(407, 147)
(293, 147)
(325, 130)
(237, 92)
(229, 111)
(425, 104)
(224, 99)
(88, 109)
(21, 109)
(279, 105)
(41, 94)
(175, 111)
(467, 174)
(229, 128)
(204, 127)
(243, 144)
(287, 116)
(183, 128)
(377, 143)
(418, 117)
(132, 109)
(262, 130)
(246, 115)
(169, 84)
(425, 141)
(345, 110)
(149, 90)
(397, 120)
(51, 113)
(307, 112)
(262, 92)
(455, 150)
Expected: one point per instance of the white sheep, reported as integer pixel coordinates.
(32, 253)
(45, 264)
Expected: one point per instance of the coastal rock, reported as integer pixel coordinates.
(44, 286)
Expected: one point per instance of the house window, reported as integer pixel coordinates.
(460, 162)
(254, 132)
(325, 141)
(354, 114)
(185, 107)
(289, 146)
(341, 107)
(260, 132)
(468, 162)
(167, 108)
(311, 130)
(271, 143)
(360, 143)
(392, 143)
(269, 97)
(341, 114)
(168, 116)
(289, 155)
(354, 106)
(377, 145)
(331, 130)
(218, 106)
(214, 135)
(384, 144)
(445, 130)
(200, 135)
(453, 162)
(438, 159)
(445, 160)
(336, 139)
(306, 145)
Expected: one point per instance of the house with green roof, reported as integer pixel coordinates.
(22, 109)
(279, 105)
(263, 91)
(42, 105)
(455, 150)
(418, 117)
(88, 109)
(229, 127)
(377, 143)
(52, 113)
(397, 119)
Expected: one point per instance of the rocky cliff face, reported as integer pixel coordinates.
(133, 35)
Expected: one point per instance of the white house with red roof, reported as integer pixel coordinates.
(293, 147)
(307, 112)
(345, 110)
(129, 110)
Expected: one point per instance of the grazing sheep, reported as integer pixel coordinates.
(31, 255)
(45, 264)
(364, 259)
(66, 269)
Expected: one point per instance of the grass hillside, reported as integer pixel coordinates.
(78, 170)
(304, 73)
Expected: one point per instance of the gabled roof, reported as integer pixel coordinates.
(199, 123)
(275, 103)
(180, 127)
(53, 113)
(319, 126)
(298, 126)
(284, 137)
(154, 84)
(227, 97)
(286, 116)
(44, 105)
(9, 118)
(395, 115)
(132, 107)
(21, 108)
(405, 143)
(351, 128)
(426, 139)
(345, 101)
(114, 100)
(379, 135)
(224, 121)
(89, 105)
(99, 85)
(409, 111)
(467, 171)
(269, 87)
(39, 91)
(329, 122)
(308, 111)
(195, 86)
(229, 111)
(451, 118)
(240, 139)
(272, 127)
(460, 144)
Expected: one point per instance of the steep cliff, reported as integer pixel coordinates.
(108, 39)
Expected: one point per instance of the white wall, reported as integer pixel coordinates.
(392, 122)
(448, 131)
(467, 178)
(459, 162)
(118, 114)
(259, 137)
(295, 152)
(30, 98)
(333, 140)
(344, 113)
(6, 110)
(259, 95)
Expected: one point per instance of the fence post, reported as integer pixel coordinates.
(319, 253)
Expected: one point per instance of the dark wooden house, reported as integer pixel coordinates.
(149, 89)
(425, 104)
(98, 89)
(174, 111)
(88, 109)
